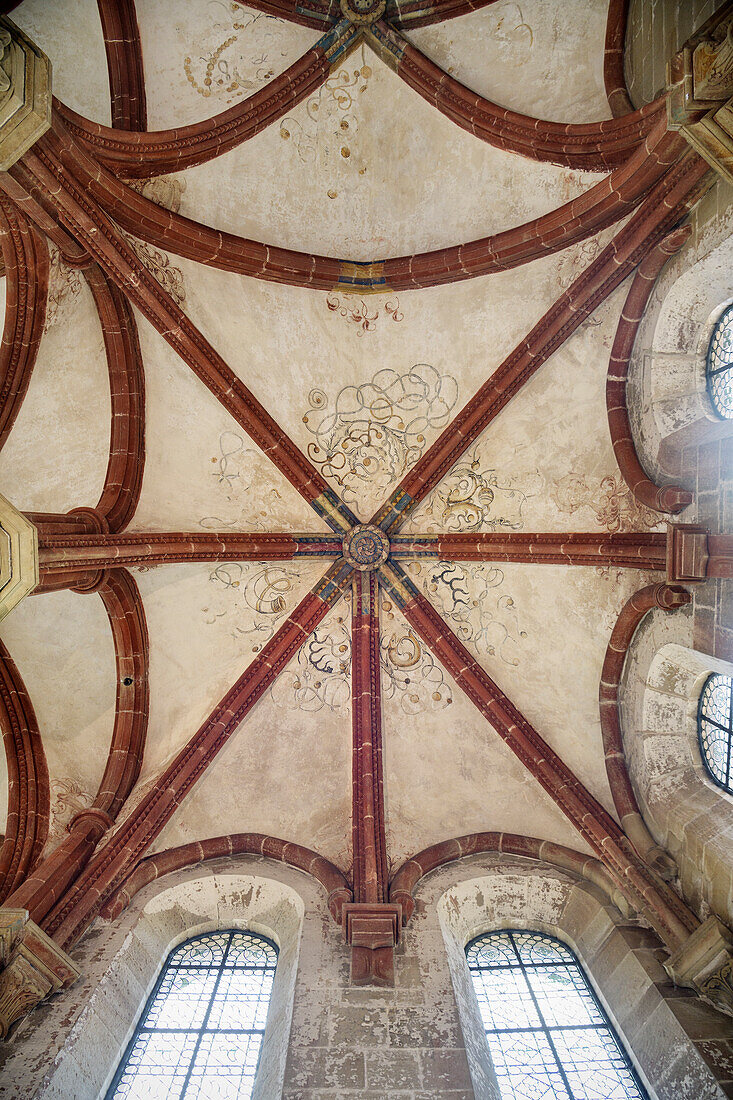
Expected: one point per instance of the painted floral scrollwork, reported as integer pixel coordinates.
(371, 434)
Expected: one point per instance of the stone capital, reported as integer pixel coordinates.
(705, 964)
(33, 967)
(18, 557)
(687, 552)
(700, 91)
(25, 93)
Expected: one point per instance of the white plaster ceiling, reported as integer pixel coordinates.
(411, 181)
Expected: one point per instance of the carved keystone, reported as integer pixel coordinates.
(18, 557)
(33, 967)
(373, 931)
(25, 93)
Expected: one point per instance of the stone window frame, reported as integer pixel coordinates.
(567, 960)
(203, 1029)
(687, 811)
(621, 959)
(123, 961)
(669, 403)
(714, 321)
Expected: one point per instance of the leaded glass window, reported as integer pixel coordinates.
(720, 365)
(549, 1037)
(715, 728)
(200, 1035)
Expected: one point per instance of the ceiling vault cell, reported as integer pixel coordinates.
(66, 187)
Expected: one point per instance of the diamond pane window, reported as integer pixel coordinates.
(549, 1037)
(720, 365)
(200, 1035)
(715, 728)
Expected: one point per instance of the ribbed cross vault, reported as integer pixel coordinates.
(390, 515)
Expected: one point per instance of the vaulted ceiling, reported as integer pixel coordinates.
(363, 379)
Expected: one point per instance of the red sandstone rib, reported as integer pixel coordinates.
(665, 498)
(60, 553)
(36, 208)
(421, 13)
(236, 844)
(667, 597)
(142, 155)
(65, 914)
(367, 823)
(647, 894)
(96, 233)
(613, 61)
(308, 13)
(124, 476)
(29, 800)
(602, 205)
(594, 146)
(626, 550)
(406, 878)
(57, 872)
(25, 256)
(124, 63)
(668, 202)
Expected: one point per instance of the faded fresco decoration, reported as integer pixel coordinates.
(254, 597)
(236, 470)
(363, 317)
(243, 51)
(367, 437)
(327, 132)
(320, 677)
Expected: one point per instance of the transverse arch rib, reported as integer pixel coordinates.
(143, 155)
(124, 476)
(29, 797)
(595, 209)
(124, 63)
(25, 256)
(592, 146)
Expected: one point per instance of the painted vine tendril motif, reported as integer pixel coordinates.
(330, 124)
(320, 678)
(471, 499)
(467, 595)
(371, 434)
(255, 598)
(360, 315)
(612, 503)
(240, 62)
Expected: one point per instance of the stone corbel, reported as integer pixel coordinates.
(700, 91)
(25, 93)
(33, 967)
(705, 964)
(373, 931)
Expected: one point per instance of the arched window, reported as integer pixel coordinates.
(201, 1031)
(720, 365)
(548, 1036)
(715, 728)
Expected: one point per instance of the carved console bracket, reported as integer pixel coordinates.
(33, 967)
(700, 91)
(25, 93)
(705, 964)
(18, 557)
(373, 931)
